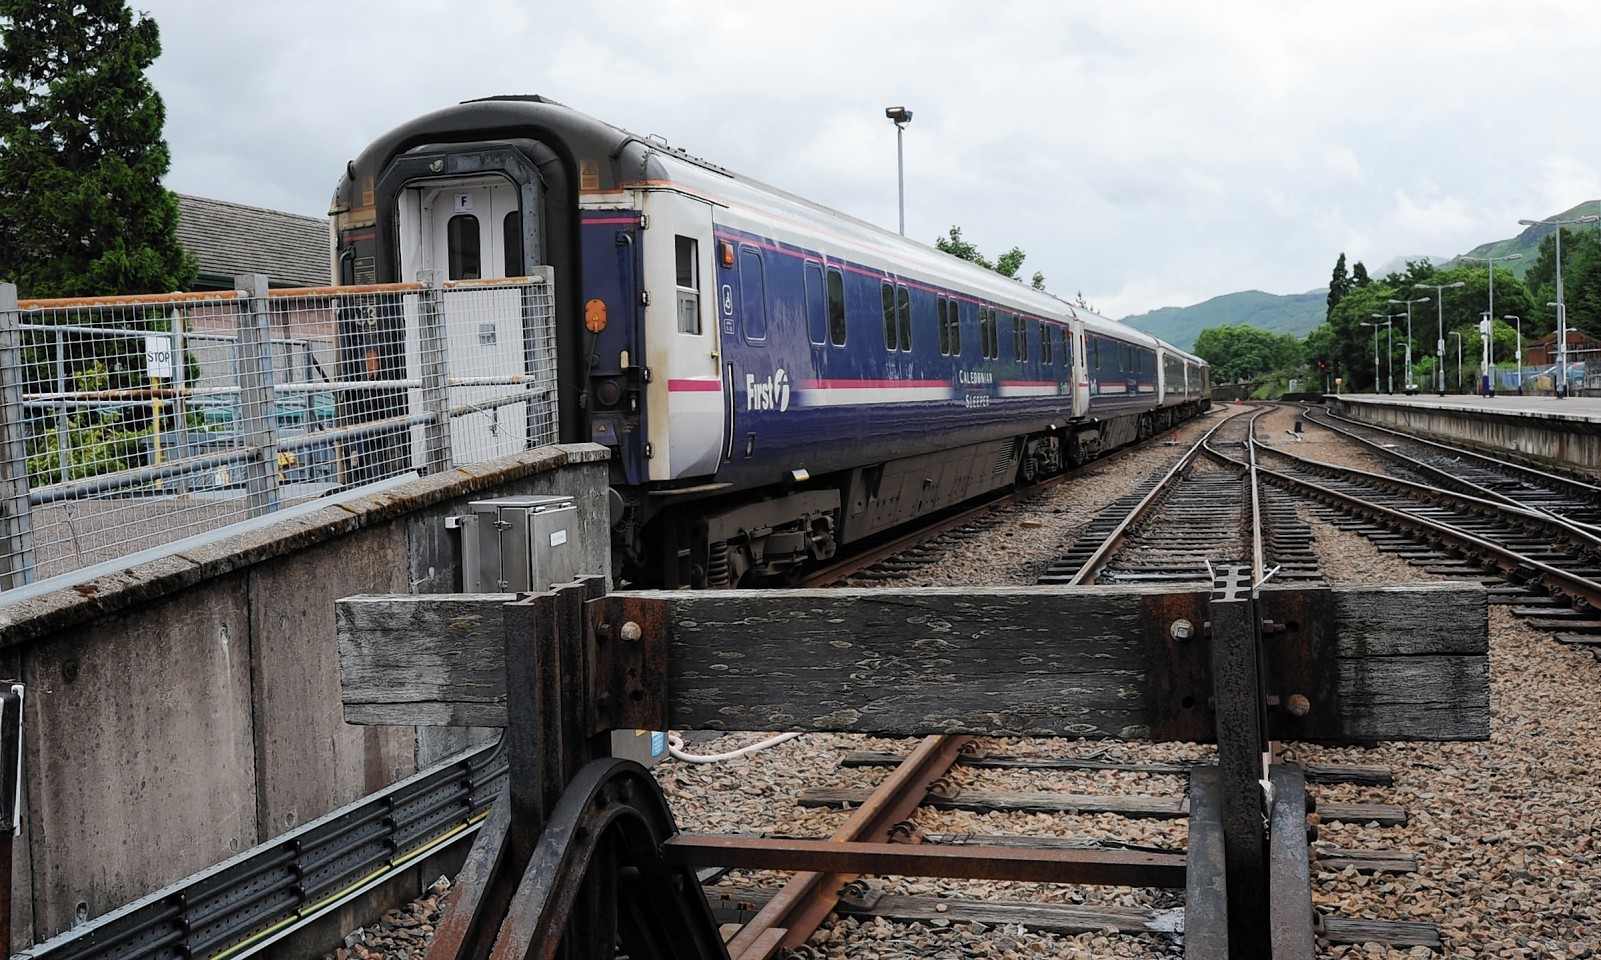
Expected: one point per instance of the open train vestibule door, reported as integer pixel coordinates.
(477, 229)
(683, 346)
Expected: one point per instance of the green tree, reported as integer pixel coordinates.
(1007, 264)
(1581, 283)
(1339, 284)
(1241, 352)
(1359, 275)
(82, 155)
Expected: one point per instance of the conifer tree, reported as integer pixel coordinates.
(1339, 286)
(82, 208)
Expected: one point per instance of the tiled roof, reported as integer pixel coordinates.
(230, 239)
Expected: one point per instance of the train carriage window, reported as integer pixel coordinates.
(511, 237)
(836, 308)
(903, 309)
(989, 341)
(950, 327)
(752, 294)
(816, 309)
(462, 247)
(1046, 353)
(891, 338)
(688, 280)
(1019, 336)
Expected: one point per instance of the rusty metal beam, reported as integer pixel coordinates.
(802, 905)
(1122, 868)
(1206, 906)
(1290, 915)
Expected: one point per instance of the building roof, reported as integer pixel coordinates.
(230, 239)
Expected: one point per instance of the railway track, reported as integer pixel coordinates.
(1539, 488)
(1546, 565)
(901, 556)
(1177, 528)
(1204, 511)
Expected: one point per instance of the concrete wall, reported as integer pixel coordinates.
(186, 709)
(1546, 437)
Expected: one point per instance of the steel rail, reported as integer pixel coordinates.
(1581, 533)
(1096, 562)
(1531, 474)
(806, 901)
(835, 572)
(1525, 474)
(1510, 562)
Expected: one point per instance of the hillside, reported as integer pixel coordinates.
(1527, 243)
(1298, 314)
(1295, 314)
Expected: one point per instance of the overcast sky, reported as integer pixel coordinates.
(1144, 153)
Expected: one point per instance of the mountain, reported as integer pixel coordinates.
(1295, 314)
(1527, 243)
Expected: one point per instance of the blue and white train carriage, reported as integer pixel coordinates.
(773, 378)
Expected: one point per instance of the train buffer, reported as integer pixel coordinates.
(581, 849)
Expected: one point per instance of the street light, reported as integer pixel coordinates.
(1519, 322)
(1376, 327)
(1562, 311)
(900, 116)
(1410, 389)
(1389, 340)
(1439, 344)
(1490, 262)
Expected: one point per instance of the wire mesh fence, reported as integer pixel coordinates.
(133, 422)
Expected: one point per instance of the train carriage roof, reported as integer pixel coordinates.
(633, 161)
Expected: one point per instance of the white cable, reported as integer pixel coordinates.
(675, 747)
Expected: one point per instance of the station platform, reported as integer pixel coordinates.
(1563, 433)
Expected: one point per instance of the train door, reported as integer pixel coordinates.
(1081, 376)
(682, 341)
(473, 230)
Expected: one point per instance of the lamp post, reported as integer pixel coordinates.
(1487, 355)
(1376, 327)
(1490, 262)
(1439, 344)
(900, 116)
(1562, 312)
(1519, 321)
(1409, 387)
(1389, 339)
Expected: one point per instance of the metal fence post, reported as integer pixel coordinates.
(434, 359)
(16, 518)
(257, 400)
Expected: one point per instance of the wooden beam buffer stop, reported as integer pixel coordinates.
(1235, 665)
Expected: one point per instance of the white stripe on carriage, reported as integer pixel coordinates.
(846, 396)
